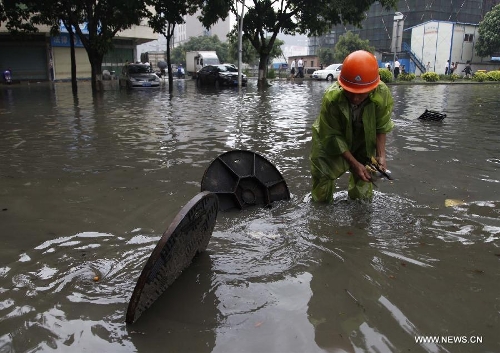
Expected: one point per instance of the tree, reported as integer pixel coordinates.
(250, 55)
(326, 56)
(348, 43)
(264, 19)
(168, 14)
(102, 19)
(489, 33)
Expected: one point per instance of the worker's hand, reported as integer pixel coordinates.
(382, 163)
(361, 171)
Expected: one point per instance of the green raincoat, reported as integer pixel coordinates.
(332, 135)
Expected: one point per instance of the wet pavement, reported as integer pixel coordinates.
(89, 184)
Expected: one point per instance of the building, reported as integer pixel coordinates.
(41, 57)
(377, 27)
(437, 42)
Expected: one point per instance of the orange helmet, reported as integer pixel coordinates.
(359, 73)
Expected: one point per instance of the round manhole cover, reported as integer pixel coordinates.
(244, 178)
(187, 235)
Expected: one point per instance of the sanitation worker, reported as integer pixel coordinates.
(351, 128)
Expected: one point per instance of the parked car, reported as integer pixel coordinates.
(329, 73)
(222, 74)
(138, 75)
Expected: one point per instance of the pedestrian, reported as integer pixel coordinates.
(467, 70)
(428, 67)
(321, 66)
(388, 66)
(447, 69)
(453, 67)
(300, 66)
(179, 71)
(396, 69)
(351, 128)
(292, 70)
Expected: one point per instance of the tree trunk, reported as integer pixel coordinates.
(74, 86)
(71, 33)
(96, 70)
(262, 78)
(169, 65)
(169, 36)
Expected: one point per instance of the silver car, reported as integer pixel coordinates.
(329, 73)
(138, 75)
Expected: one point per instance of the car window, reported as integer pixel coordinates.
(139, 69)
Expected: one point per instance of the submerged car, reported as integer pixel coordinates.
(138, 75)
(329, 73)
(222, 74)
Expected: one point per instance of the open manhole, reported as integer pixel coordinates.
(187, 235)
(242, 179)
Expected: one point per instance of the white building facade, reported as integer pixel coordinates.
(436, 42)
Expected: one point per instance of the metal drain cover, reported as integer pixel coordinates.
(242, 179)
(432, 115)
(187, 235)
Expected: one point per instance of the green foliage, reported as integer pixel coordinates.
(493, 75)
(488, 41)
(480, 76)
(249, 54)
(265, 19)
(385, 75)
(271, 73)
(430, 77)
(406, 77)
(326, 56)
(348, 43)
(104, 19)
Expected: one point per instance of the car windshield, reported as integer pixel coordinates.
(332, 67)
(139, 69)
(222, 68)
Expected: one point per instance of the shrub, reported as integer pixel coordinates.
(493, 75)
(385, 75)
(453, 77)
(406, 77)
(480, 76)
(430, 77)
(271, 73)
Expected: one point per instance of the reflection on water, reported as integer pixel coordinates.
(89, 184)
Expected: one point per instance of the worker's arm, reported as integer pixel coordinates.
(356, 167)
(381, 151)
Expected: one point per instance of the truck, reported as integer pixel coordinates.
(195, 60)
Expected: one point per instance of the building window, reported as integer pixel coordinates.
(468, 37)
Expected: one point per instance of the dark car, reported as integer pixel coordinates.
(223, 75)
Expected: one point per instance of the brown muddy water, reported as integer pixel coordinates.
(89, 184)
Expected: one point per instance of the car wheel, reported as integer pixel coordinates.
(329, 78)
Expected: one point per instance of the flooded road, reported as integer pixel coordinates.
(89, 184)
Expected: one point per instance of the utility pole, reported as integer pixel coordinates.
(240, 44)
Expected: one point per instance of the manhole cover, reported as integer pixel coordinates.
(187, 235)
(242, 179)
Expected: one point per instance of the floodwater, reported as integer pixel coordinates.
(88, 186)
